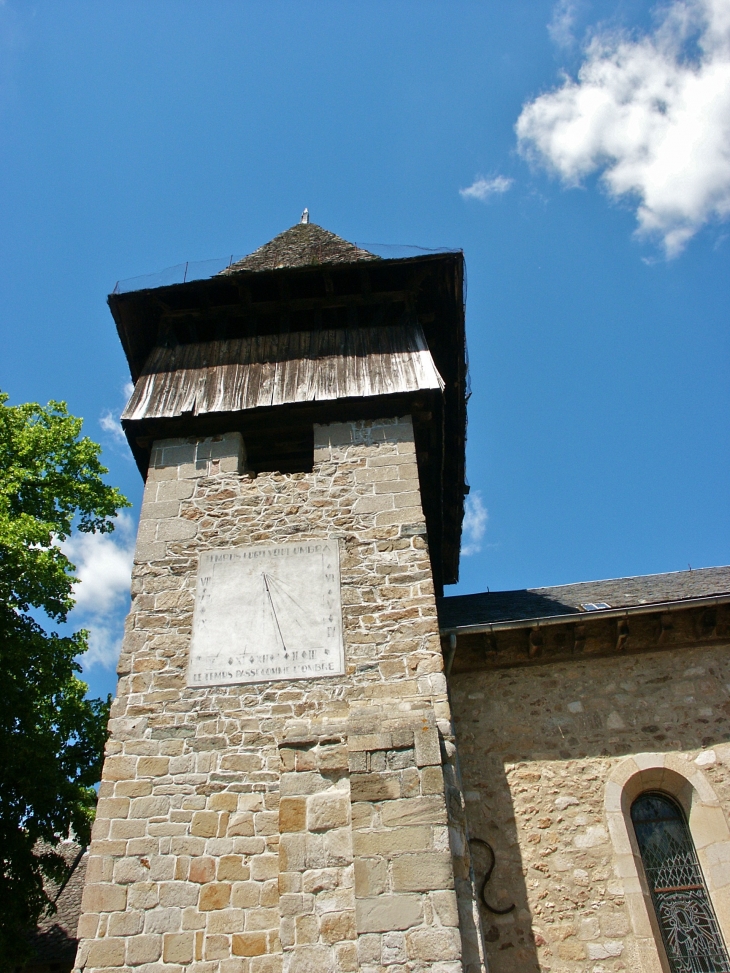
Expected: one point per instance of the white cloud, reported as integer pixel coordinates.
(475, 524)
(105, 642)
(111, 424)
(109, 420)
(103, 567)
(482, 188)
(651, 114)
(562, 23)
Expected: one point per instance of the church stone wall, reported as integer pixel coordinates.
(308, 826)
(537, 746)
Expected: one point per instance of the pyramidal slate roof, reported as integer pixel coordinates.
(302, 245)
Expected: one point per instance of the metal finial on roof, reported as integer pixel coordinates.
(305, 216)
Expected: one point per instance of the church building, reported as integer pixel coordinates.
(318, 762)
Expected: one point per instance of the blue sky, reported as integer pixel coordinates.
(137, 136)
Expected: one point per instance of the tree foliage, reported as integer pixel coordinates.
(51, 736)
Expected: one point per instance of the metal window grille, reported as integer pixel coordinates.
(688, 924)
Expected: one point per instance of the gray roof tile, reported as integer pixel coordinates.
(502, 606)
(302, 245)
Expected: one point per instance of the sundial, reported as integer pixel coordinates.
(266, 613)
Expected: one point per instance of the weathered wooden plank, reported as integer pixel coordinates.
(248, 373)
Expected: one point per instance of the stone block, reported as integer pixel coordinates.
(336, 927)
(302, 784)
(264, 867)
(249, 944)
(217, 947)
(241, 824)
(292, 814)
(346, 957)
(246, 895)
(423, 872)
(112, 807)
(386, 913)
(306, 929)
(102, 953)
(261, 918)
(104, 898)
(398, 482)
(369, 741)
(176, 529)
(204, 824)
(427, 746)
(224, 801)
(119, 768)
(271, 963)
(174, 490)
(392, 842)
(143, 949)
(432, 780)
(446, 907)
(375, 787)
(178, 894)
(371, 877)
(401, 515)
(178, 947)
(433, 945)
(331, 759)
(311, 959)
(233, 868)
(413, 811)
(149, 807)
(571, 949)
(266, 822)
(89, 924)
(293, 852)
(225, 921)
(412, 500)
(326, 811)
(357, 762)
(202, 870)
(374, 503)
(393, 949)
(153, 766)
(369, 949)
(172, 452)
(216, 895)
(363, 815)
(159, 510)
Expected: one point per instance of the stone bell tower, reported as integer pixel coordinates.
(281, 791)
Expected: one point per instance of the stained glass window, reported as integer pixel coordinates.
(688, 924)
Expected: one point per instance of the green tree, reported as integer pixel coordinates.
(51, 736)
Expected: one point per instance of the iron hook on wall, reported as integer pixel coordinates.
(487, 876)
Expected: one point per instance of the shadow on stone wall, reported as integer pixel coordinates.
(536, 746)
(509, 939)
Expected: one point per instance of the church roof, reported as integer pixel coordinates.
(529, 604)
(54, 939)
(302, 245)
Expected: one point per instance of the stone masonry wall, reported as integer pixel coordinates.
(312, 826)
(536, 746)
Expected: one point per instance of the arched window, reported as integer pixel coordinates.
(689, 928)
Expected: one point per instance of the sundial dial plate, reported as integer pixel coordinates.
(266, 613)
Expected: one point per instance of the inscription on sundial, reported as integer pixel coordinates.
(266, 613)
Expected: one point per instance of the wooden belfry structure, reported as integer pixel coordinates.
(281, 791)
